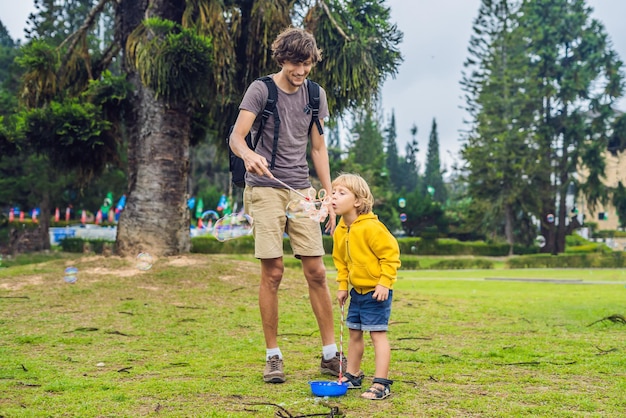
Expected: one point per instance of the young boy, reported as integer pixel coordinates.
(369, 264)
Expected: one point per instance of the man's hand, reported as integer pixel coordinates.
(256, 164)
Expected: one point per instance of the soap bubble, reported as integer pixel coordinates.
(233, 226)
(540, 241)
(550, 217)
(299, 208)
(302, 208)
(70, 275)
(144, 261)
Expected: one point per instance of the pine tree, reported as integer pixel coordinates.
(409, 165)
(573, 87)
(496, 150)
(392, 161)
(433, 176)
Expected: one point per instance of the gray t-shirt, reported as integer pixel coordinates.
(291, 163)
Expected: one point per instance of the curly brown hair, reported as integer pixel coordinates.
(295, 45)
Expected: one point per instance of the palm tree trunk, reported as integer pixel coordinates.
(155, 219)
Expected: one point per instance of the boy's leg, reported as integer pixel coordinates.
(356, 346)
(382, 353)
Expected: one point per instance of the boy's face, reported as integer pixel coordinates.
(296, 72)
(344, 202)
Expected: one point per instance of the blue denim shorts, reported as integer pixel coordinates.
(366, 313)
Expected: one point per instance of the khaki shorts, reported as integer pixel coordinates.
(266, 206)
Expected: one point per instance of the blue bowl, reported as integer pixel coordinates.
(326, 388)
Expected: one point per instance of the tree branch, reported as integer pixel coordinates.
(76, 36)
(334, 22)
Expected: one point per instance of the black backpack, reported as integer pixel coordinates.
(237, 167)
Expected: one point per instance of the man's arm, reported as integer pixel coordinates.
(319, 155)
(253, 162)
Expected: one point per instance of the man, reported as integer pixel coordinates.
(265, 199)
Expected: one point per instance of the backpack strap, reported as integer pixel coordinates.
(314, 105)
(270, 109)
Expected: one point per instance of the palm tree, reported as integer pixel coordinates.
(189, 63)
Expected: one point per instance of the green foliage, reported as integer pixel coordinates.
(173, 61)
(360, 50)
(619, 201)
(540, 88)
(608, 234)
(462, 264)
(208, 244)
(8, 147)
(392, 159)
(588, 260)
(109, 90)
(588, 248)
(423, 214)
(40, 62)
(575, 240)
(433, 183)
(454, 247)
(82, 245)
(409, 263)
(72, 135)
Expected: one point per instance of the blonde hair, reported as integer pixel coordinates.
(357, 185)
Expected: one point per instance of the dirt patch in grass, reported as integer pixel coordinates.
(17, 284)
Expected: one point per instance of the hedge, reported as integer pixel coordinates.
(81, 245)
(590, 260)
(245, 245)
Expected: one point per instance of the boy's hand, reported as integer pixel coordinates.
(342, 297)
(381, 293)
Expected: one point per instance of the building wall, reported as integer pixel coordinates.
(615, 172)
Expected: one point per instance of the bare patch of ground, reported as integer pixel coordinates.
(22, 282)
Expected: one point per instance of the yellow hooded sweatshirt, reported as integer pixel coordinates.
(366, 254)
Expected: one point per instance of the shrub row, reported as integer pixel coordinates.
(82, 245)
(207, 244)
(462, 264)
(446, 246)
(590, 260)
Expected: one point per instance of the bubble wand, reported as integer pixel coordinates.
(292, 189)
(341, 346)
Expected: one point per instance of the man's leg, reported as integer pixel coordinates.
(271, 276)
(319, 295)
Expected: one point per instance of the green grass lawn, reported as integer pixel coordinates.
(183, 339)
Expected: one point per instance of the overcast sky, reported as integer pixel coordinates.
(436, 35)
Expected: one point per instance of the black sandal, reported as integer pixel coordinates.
(379, 394)
(353, 382)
